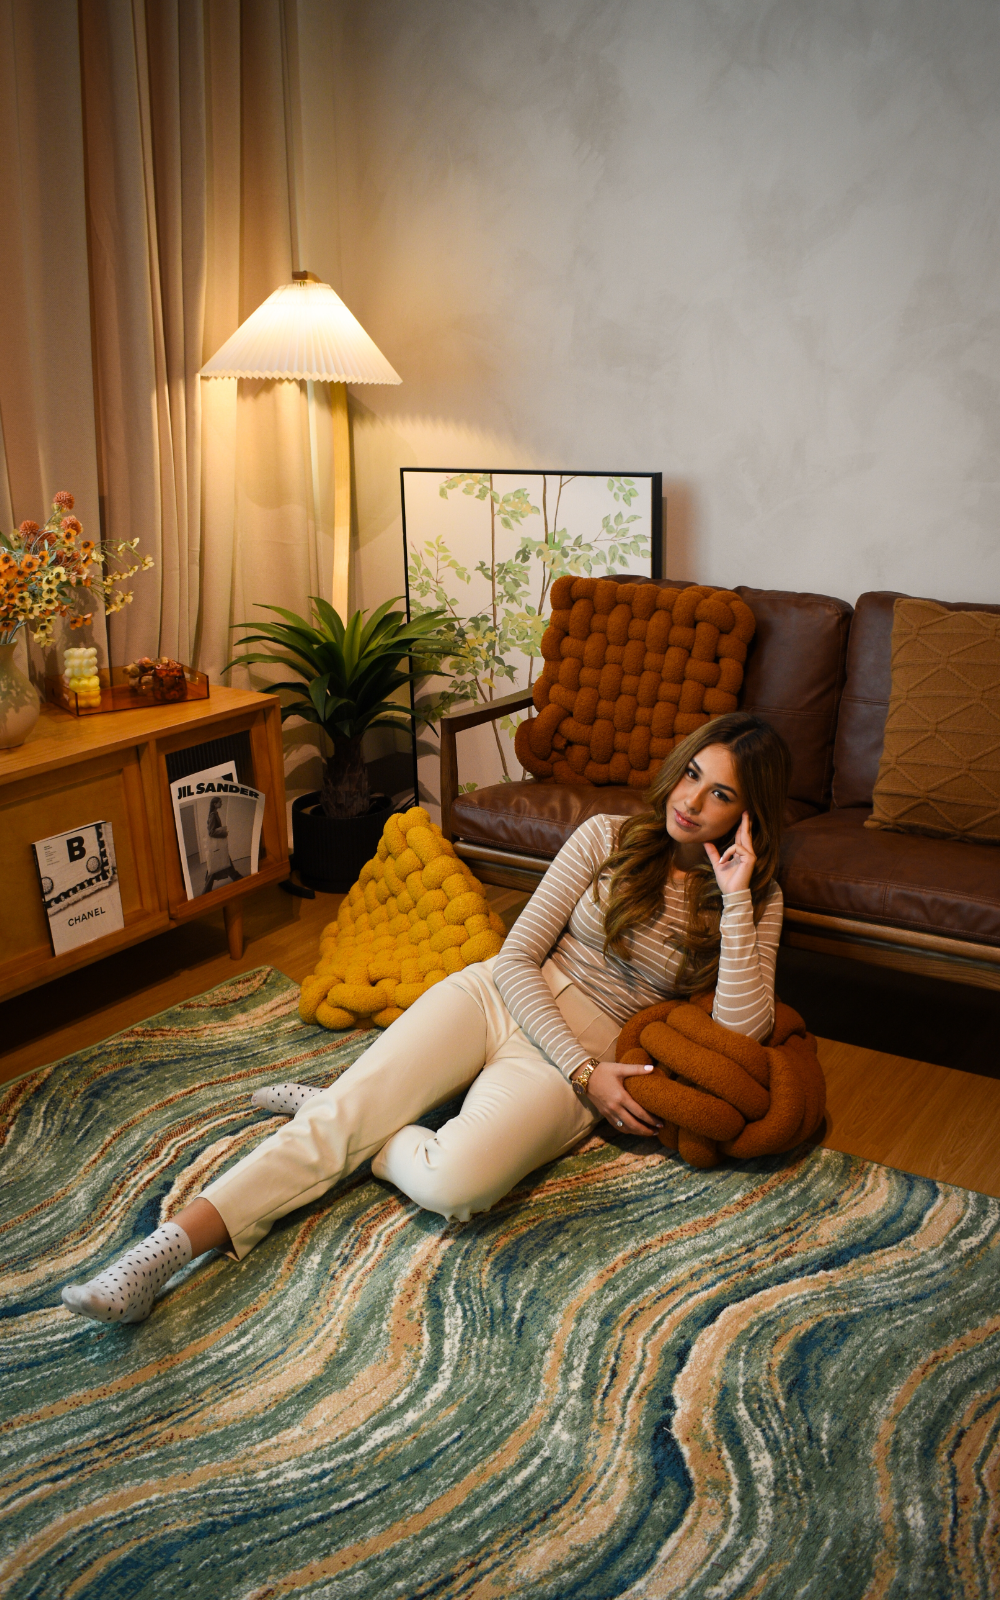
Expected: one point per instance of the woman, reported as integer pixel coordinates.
(219, 863)
(676, 900)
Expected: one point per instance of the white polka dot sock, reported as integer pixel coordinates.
(285, 1098)
(125, 1292)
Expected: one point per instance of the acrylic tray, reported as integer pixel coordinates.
(117, 693)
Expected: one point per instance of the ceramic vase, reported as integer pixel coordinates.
(19, 703)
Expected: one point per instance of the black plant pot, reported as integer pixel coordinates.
(330, 851)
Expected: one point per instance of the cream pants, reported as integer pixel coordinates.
(519, 1111)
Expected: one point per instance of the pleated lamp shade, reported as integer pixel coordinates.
(302, 330)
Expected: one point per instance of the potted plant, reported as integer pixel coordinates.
(344, 677)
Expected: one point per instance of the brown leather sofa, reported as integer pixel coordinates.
(820, 672)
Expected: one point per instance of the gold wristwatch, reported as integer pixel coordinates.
(582, 1076)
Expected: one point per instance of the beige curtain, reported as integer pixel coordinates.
(147, 208)
(188, 145)
(267, 468)
(144, 139)
(47, 439)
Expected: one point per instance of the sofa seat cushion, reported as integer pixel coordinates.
(536, 819)
(833, 864)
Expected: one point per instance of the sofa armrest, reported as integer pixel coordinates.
(452, 723)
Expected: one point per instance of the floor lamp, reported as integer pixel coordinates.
(304, 330)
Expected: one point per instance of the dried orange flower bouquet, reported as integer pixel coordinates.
(52, 571)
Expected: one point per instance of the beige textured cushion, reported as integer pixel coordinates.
(940, 767)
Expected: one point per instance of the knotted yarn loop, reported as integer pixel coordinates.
(720, 1093)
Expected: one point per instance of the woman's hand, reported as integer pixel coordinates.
(734, 868)
(606, 1091)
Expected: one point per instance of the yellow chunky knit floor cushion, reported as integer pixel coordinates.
(415, 914)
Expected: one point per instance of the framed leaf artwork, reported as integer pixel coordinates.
(484, 547)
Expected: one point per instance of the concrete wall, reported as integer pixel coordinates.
(752, 243)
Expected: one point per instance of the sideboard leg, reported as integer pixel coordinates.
(234, 927)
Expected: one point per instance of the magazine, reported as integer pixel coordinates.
(218, 828)
(79, 880)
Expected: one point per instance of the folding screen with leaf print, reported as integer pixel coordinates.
(486, 546)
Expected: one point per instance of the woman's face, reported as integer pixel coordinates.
(707, 803)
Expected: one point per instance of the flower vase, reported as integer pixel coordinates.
(19, 702)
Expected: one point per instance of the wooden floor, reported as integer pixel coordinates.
(934, 1121)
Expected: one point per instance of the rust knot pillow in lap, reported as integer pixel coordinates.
(629, 669)
(940, 767)
(415, 914)
(720, 1093)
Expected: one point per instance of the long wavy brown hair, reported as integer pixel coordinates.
(640, 864)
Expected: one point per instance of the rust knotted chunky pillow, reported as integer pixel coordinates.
(415, 914)
(629, 670)
(719, 1092)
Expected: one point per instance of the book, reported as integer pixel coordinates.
(218, 823)
(79, 881)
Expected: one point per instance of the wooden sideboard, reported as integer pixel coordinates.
(118, 766)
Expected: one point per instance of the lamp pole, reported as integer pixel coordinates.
(341, 482)
(341, 497)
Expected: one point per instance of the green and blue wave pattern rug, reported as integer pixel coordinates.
(629, 1379)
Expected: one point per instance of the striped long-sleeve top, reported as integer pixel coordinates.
(563, 923)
